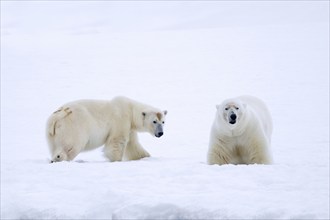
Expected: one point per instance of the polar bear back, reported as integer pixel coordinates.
(260, 109)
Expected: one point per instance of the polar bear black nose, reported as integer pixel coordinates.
(233, 116)
(160, 134)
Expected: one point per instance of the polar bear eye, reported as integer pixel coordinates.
(236, 108)
(154, 122)
(226, 109)
(163, 122)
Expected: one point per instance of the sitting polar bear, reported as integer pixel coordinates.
(87, 124)
(241, 132)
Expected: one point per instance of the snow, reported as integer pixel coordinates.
(184, 57)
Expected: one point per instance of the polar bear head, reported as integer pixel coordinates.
(231, 111)
(153, 122)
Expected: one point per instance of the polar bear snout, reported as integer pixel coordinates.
(159, 134)
(159, 131)
(232, 118)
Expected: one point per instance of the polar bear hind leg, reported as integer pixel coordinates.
(64, 138)
(67, 149)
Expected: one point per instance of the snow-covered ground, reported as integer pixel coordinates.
(182, 56)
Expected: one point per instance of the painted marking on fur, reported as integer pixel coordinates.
(159, 115)
(67, 112)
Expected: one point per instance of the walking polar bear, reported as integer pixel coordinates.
(241, 132)
(87, 124)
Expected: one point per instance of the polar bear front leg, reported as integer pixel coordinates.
(260, 152)
(213, 158)
(134, 150)
(217, 154)
(114, 148)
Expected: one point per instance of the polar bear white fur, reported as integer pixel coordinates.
(87, 124)
(241, 132)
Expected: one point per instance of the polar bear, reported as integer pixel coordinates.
(241, 132)
(87, 124)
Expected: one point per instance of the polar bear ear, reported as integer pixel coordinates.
(165, 112)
